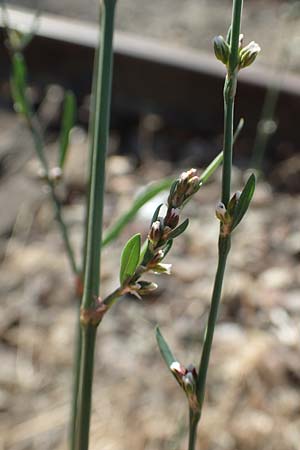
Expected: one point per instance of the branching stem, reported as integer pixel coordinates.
(224, 241)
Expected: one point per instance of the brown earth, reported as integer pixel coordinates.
(253, 398)
(253, 393)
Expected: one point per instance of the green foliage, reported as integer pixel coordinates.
(244, 201)
(68, 120)
(164, 348)
(130, 258)
(179, 230)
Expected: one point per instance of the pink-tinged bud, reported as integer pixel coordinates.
(186, 176)
(172, 217)
(178, 369)
(193, 186)
(155, 233)
(183, 188)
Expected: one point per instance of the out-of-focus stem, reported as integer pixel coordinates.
(94, 226)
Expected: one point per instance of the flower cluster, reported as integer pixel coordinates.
(163, 229)
(247, 54)
(187, 379)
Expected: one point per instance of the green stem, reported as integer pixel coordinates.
(224, 247)
(229, 95)
(193, 425)
(76, 377)
(77, 352)
(96, 194)
(224, 237)
(94, 225)
(39, 148)
(84, 401)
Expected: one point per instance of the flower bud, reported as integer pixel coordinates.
(145, 287)
(248, 54)
(162, 268)
(189, 383)
(178, 369)
(221, 211)
(183, 188)
(172, 217)
(55, 174)
(221, 49)
(155, 232)
(193, 186)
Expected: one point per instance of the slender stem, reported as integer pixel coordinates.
(78, 337)
(84, 401)
(229, 95)
(76, 377)
(39, 148)
(224, 247)
(96, 194)
(94, 225)
(193, 425)
(225, 236)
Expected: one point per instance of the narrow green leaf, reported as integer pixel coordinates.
(164, 348)
(168, 247)
(244, 201)
(68, 120)
(130, 257)
(179, 230)
(156, 212)
(151, 191)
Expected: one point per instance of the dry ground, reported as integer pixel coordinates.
(253, 398)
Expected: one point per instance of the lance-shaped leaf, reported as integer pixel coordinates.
(179, 230)
(167, 247)
(164, 348)
(155, 215)
(130, 257)
(68, 120)
(244, 201)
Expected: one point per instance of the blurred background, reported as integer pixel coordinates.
(167, 116)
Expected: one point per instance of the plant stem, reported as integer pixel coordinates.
(224, 238)
(76, 377)
(224, 247)
(84, 402)
(94, 225)
(78, 343)
(96, 193)
(39, 148)
(193, 424)
(229, 95)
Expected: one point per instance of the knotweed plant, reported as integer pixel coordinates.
(138, 258)
(229, 211)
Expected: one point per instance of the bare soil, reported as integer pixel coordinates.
(253, 392)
